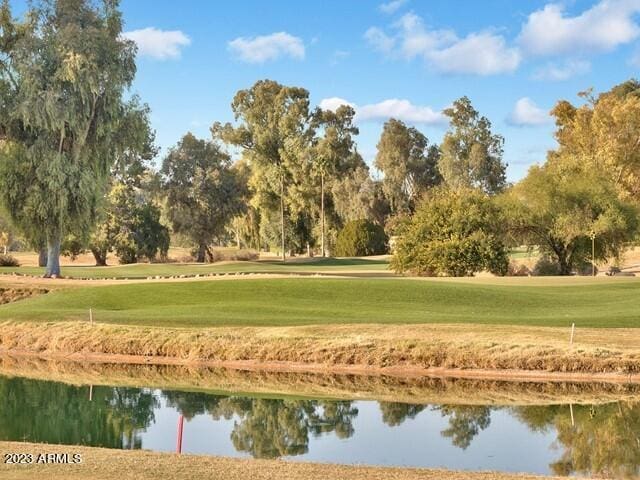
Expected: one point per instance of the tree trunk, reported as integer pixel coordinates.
(284, 259)
(322, 212)
(565, 265)
(202, 250)
(53, 257)
(42, 257)
(101, 257)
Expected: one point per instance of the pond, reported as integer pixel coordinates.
(561, 439)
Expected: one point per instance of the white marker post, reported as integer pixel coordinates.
(573, 329)
(91, 316)
(573, 423)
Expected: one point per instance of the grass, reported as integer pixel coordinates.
(106, 464)
(144, 270)
(313, 301)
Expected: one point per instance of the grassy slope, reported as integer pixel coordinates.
(304, 301)
(144, 270)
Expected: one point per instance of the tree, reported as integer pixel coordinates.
(203, 192)
(128, 219)
(6, 235)
(558, 207)
(471, 154)
(409, 165)
(246, 225)
(63, 72)
(453, 233)
(361, 238)
(275, 133)
(332, 150)
(356, 195)
(603, 135)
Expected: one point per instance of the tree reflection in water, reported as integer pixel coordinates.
(271, 428)
(465, 422)
(50, 412)
(603, 440)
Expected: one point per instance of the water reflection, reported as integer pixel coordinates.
(50, 412)
(270, 428)
(602, 439)
(588, 439)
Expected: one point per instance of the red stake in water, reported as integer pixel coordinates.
(180, 428)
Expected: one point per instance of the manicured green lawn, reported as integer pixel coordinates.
(602, 303)
(144, 270)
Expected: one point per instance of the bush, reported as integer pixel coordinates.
(546, 267)
(584, 267)
(219, 255)
(454, 233)
(360, 238)
(245, 255)
(8, 261)
(518, 270)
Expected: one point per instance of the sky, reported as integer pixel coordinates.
(407, 59)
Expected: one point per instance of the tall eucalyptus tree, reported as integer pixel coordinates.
(64, 69)
(275, 132)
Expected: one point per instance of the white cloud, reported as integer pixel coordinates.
(391, 108)
(480, 53)
(564, 71)
(392, 6)
(603, 27)
(158, 44)
(379, 40)
(400, 109)
(267, 47)
(333, 103)
(527, 113)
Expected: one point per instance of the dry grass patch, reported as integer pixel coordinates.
(365, 347)
(13, 294)
(105, 464)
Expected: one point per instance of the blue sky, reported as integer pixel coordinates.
(402, 58)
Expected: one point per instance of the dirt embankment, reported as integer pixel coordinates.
(106, 464)
(487, 351)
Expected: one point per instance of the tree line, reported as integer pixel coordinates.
(77, 168)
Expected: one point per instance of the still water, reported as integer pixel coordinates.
(597, 440)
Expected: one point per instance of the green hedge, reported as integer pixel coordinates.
(360, 238)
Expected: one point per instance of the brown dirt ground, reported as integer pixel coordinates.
(105, 464)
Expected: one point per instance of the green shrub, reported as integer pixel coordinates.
(546, 266)
(8, 261)
(360, 238)
(454, 233)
